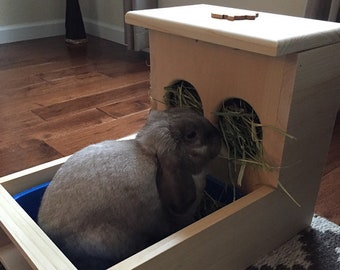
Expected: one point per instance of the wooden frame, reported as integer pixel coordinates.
(298, 91)
(23, 245)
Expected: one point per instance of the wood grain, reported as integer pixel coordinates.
(55, 100)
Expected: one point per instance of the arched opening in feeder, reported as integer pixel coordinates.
(242, 135)
(181, 93)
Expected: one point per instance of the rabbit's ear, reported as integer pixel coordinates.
(175, 185)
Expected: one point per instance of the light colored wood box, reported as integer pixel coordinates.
(287, 69)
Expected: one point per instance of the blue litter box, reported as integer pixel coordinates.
(30, 199)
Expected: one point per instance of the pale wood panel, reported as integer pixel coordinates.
(219, 73)
(311, 120)
(225, 238)
(37, 248)
(318, 66)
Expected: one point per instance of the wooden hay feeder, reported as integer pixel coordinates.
(287, 69)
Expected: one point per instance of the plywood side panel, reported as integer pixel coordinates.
(314, 106)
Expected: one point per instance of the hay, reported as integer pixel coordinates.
(242, 135)
(183, 94)
(241, 132)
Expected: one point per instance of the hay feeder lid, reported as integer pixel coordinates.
(269, 34)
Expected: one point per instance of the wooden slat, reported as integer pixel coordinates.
(33, 244)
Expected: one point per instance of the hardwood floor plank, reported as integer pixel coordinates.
(115, 129)
(39, 73)
(25, 154)
(16, 128)
(13, 81)
(11, 76)
(120, 68)
(92, 101)
(70, 123)
(66, 71)
(19, 54)
(45, 94)
(51, 91)
(127, 107)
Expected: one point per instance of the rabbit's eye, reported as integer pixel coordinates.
(191, 135)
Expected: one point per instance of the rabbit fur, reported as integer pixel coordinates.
(114, 198)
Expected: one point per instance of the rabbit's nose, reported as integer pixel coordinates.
(200, 150)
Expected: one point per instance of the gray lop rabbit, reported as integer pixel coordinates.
(113, 199)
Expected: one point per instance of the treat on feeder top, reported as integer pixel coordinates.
(217, 16)
(234, 17)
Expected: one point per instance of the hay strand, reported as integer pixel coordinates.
(183, 94)
(241, 132)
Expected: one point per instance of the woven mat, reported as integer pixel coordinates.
(315, 248)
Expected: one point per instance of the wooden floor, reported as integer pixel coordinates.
(55, 100)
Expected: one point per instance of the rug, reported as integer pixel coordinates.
(315, 248)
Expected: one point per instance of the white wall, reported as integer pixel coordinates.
(104, 18)
(27, 19)
(29, 11)
(30, 19)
